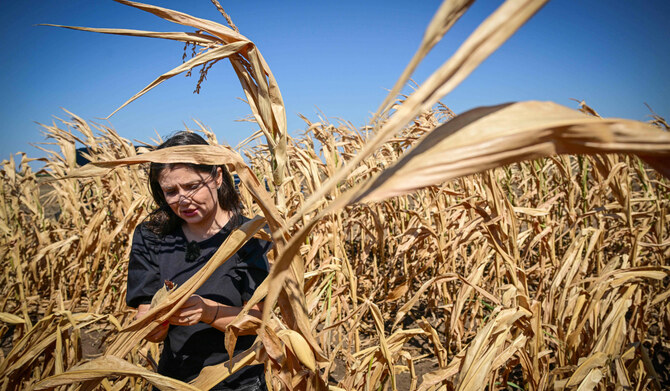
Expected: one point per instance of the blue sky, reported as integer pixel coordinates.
(335, 59)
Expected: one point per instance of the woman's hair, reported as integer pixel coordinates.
(163, 220)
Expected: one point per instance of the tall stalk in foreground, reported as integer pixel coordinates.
(524, 275)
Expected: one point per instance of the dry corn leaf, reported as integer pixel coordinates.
(484, 348)
(445, 17)
(591, 380)
(11, 318)
(490, 137)
(299, 347)
(271, 343)
(107, 366)
(535, 212)
(594, 361)
(398, 292)
(465, 292)
(222, 32)
(162, 294)
(215, 374)
(492, 33)
(230, 42)
(383, 343)
(209, 56)
(175, 36)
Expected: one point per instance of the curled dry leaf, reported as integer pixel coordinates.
(489, 137)
(162, 294)
(107, 366)
(11, 318)
(299, 347)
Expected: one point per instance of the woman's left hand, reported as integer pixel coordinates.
(195, 310)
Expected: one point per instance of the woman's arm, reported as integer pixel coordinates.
(199, 309)
(160, 332)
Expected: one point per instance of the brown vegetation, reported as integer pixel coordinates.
(473, 247)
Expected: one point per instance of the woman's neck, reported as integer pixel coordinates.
(208, 228)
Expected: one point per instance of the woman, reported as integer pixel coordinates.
(197, 209)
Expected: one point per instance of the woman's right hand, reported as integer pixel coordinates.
(159, 333)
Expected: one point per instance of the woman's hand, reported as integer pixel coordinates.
(159, 333)
(199, 309)
(196, 309)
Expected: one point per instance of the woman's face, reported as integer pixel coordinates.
(191, 194)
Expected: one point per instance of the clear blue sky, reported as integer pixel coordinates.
(336, 57)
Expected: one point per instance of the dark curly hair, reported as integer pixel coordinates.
(163, 220)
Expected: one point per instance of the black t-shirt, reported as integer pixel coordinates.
(187, 349)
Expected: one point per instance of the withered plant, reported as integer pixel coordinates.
(523, 245)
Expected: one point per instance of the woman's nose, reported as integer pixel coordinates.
(184, 198)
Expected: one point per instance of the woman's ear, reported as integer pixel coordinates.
(219, 177)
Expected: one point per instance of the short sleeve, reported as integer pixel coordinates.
(252, 267)
(143, 272)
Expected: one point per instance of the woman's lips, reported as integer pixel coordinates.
(189, 212)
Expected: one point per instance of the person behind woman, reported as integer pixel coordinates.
(197, 208)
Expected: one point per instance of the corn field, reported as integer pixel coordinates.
(519, 246)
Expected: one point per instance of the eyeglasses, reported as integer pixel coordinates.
(173, 195)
